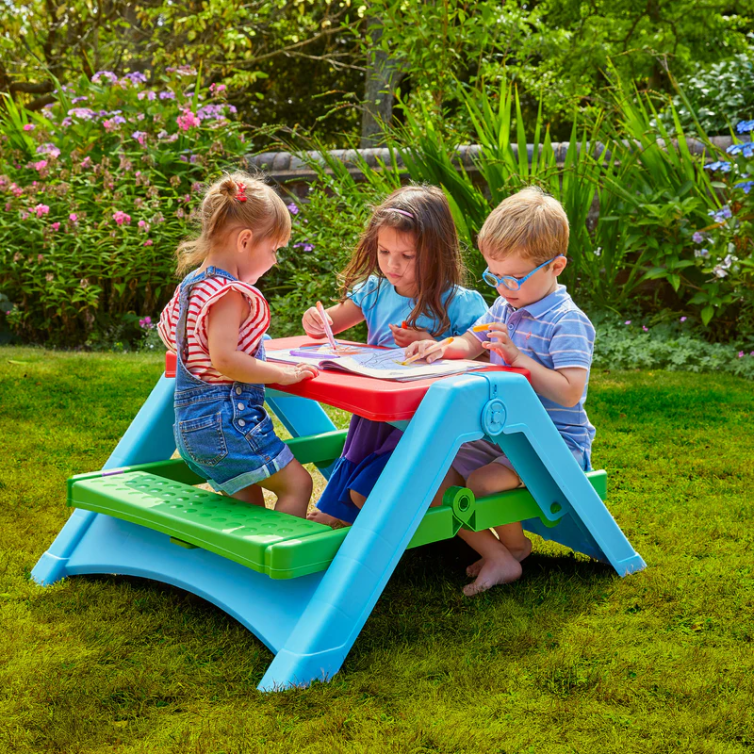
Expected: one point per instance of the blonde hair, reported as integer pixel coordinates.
(530, 223)
(424, 213)
(223, 208)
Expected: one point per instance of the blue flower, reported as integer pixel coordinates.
(745, 186)
(698, 237)
(745, 126)
(747, 150)
(723, 167)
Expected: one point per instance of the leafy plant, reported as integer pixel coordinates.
(98, 190)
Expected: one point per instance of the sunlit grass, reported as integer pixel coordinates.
(569, 659)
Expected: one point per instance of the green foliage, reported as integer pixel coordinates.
(675, 346)
(715, 95)
(569, 658)
(558, 52)
(98, 191)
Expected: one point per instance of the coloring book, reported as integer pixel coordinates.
(372, 361)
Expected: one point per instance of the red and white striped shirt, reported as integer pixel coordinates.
(203, 295)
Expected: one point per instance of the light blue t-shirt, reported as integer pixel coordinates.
(381, 305)
(556, 333)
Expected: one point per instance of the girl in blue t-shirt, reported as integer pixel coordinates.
(404, 281)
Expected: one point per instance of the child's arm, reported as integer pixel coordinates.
(564, 386)
(223, 322)
(465, 346)
(341, 316)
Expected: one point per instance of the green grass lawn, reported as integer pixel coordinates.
(569, 659)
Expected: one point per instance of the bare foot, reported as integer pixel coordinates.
(473, 570)
(502, 569)
(324, 518)
(519, 554)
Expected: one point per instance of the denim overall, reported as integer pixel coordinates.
(223, 432)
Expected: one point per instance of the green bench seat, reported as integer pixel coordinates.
(160, 496)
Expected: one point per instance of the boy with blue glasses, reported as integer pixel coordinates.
(534, 324)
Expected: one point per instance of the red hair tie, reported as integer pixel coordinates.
(241, 194)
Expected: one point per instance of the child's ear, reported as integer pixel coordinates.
(245, 240)
(559, 265)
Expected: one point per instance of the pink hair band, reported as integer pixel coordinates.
(401, 212)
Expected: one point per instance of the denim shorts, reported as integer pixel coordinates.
(225, 435)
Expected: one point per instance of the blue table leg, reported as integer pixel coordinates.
(149, 438)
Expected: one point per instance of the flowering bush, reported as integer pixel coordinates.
(96, 192)
(725, 247)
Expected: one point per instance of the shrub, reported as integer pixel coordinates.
(97, 190)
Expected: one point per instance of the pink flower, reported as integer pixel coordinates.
(73, 218)
(645, 328)
(148, 242)
(627, 322)
(40, 166)
(741, 354)
(29, 127)
(16, 190)
(24, 215)
(41, 209)
(86, 162)
(188, 120)
(683, 319)
(217, 88)
(49, 277)
(55, 226)
(40, 258)
(121, 217)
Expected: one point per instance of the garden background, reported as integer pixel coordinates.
(638, 117)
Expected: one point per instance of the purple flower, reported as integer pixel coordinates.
(76, 100)
(82, 112)
(104, 75)
(293, 208)
(167, 94)
(627, 322)
(698, 237)
(29, 127)
(49, 149)
(741, 354)
(136, 77)
(683, 319)
(140, 136)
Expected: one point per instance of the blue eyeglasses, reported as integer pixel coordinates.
(511, 283)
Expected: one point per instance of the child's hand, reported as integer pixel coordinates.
(293, 374)
(404, 336)
(422, 346)
(502, 346)
(312, 323)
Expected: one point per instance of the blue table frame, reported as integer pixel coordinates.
(311, 623)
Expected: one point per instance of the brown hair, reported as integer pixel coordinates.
(424, 212)
(223, 208)
(530, 223)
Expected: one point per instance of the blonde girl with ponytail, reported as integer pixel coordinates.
(215, 323)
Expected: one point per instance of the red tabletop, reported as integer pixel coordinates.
(379, 400)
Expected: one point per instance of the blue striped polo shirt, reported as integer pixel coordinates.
(556, 333)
